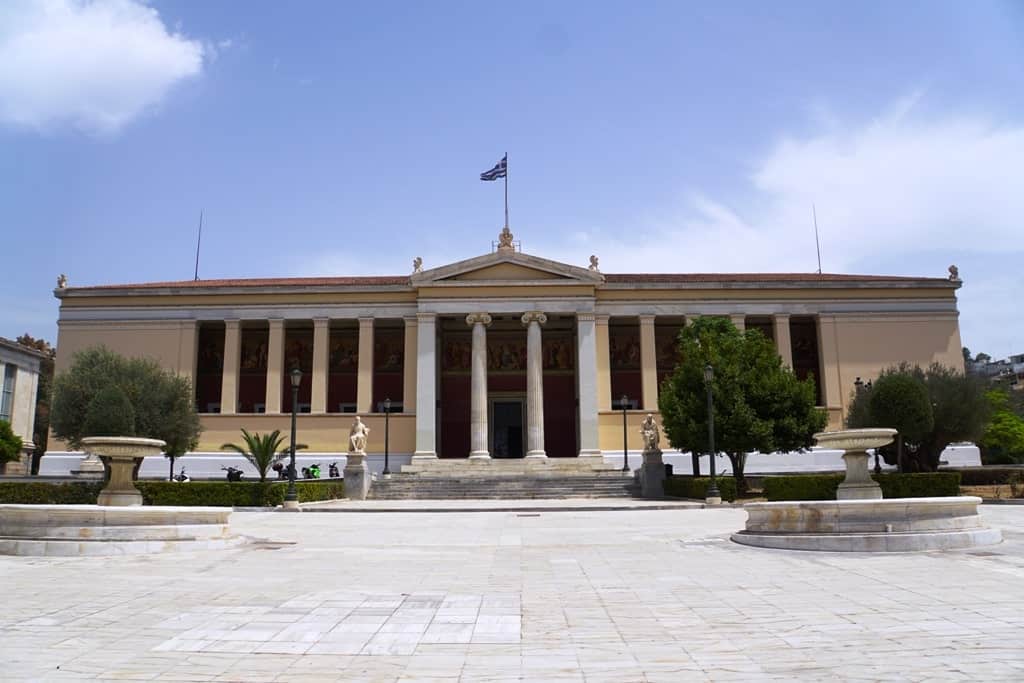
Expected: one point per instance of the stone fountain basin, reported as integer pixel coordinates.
(889, 525)
(855, 439)
(68, 530)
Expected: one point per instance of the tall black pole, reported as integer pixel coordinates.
(387, 429)
(625, 447)
(292, 496)
(506, 189)
(713, 486)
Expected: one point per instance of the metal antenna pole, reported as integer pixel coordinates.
(199, 241)
(817, 243)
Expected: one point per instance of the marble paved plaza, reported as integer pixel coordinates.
(617, 596)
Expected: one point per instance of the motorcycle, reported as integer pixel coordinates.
(233, 473)
(311, 472)
(332, 471)
(181, 477)
(282, 470)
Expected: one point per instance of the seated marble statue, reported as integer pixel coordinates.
(357, 436)
(649, 432)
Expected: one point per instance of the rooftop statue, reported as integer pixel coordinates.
(593, 264)
(505, 239)
(954, 274)
(417, 265)
(62, 281)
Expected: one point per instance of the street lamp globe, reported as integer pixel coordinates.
(709, 373)
(296, 376)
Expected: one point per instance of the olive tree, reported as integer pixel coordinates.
(759, 404)
(104, 391)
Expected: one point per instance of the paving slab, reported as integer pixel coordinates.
(574, 595)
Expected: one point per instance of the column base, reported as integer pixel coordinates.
(290, 505)
(479, 455)
(536, 455)
(713, 500)
(424, 455)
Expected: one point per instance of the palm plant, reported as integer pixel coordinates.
(261, 449)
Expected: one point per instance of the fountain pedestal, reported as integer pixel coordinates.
(121, 454)
(858, 484)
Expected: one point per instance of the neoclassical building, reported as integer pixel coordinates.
(504, 355)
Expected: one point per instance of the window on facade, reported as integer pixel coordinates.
(342, 368)
(624, 359)
(388, 364)
(803, 334)
(298, 353)
(252, 371)
(209, 367)
(7, 392)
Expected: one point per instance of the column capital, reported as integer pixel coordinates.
(647, 319)
(233, 323)
(321, 322)
(410, 320)
(429, 318)
(276, 322)
(534, 316)
(587, 317)
(781, 316)
(601, 318)
(366, 320)
(482, 318)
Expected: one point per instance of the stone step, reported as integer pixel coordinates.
(504, 487)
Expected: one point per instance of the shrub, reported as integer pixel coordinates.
(39, 493)
(697, 487)
(824, 486)
(985, 476)
(10, 443)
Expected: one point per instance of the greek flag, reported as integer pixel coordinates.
(498, 171)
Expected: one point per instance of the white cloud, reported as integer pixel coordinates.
(93, 65)
(901, 194)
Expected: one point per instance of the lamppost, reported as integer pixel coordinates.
(291, 499)
(713, 495)
(387, 429)
(625, 448)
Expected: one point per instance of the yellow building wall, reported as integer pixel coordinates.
(169, 343)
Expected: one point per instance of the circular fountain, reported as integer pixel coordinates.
(859, 519)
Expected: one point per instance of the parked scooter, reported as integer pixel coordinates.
(233, 473)
(181, 477)
(332, 471)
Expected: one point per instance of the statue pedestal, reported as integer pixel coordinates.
(91, 467)
(652, 474)
(357, 476)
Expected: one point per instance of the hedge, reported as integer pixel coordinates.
(823, 486)
(987, 476)
(213, 494)
(43, 493)
(690, 487)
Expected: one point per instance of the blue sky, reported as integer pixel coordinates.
(334, 138)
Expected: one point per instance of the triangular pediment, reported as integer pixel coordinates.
(506, 266)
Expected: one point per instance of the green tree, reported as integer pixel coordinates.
(109, 413)
(1003, 441)
(161, 401)
(901, 401)
(759, 404)
(10, 443)
(261, 449)
(958, 407)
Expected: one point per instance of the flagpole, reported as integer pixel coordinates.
(506, 189)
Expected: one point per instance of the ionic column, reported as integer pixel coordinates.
(648, 364)
(188, 350)
(782, 342)
(229, 373)
(739, 321)
(478, 401)
(321, 347)
(275, 366)
(364, 381)
(426, 387)
(409, 367)
(828, 352)
(534, 385)
(586, 354)
(603, 375)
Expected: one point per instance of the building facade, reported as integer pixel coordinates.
(19, 385)
(500, 356)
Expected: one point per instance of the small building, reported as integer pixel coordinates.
(505, 355)
(19, 375)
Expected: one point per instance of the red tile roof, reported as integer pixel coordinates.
(624, 278)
